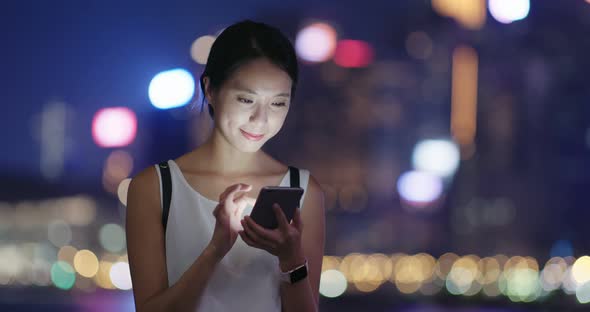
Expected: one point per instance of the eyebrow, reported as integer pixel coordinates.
(244, 89)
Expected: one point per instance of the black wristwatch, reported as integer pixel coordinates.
(295, 275)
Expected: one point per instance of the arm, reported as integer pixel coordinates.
(147, 256)
(304, 295)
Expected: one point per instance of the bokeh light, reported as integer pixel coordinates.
(316, 43)
(464, 90)
(59, 233)
(63, 275)
(583, 293)
(86, 263)
(102, 277)
(120, 275)
(419, 45)
(581, 270)
(562, 248)
(419, 187)
(118, 166)
(332, 283)
(470, 14)
(553, 274)
(200, 49)
(78, 210)
(67, 254)
(122, 191)
(112, 237)
(464, 272)
(172, 88)
(114, 127)
(353, 53)
(41, 272)
(439, 157)
(508, 11)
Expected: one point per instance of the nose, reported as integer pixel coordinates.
(259, 115)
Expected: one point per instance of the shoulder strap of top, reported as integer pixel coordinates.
(166, 191)
(294, 173)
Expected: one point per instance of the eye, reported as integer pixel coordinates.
(279, 104)
(244, 100)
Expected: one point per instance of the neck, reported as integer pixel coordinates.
(225, 159)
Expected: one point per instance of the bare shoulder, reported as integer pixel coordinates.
(313, 202)
(314, 186)
(143, 228)
(145, 185)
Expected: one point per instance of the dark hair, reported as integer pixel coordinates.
(243, 42)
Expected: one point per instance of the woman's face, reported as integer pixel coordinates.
(251, 106)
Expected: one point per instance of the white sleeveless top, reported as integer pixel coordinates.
(246, 279)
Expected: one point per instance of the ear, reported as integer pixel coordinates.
(208, 91)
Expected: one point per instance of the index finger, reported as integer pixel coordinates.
(241, 187)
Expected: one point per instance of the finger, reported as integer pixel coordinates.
(243, 198)
(239, 188)
(229, 190)
(246, 239)
(238, 200)
(252, 241)
(223, 195)
(281, 218)
(258, 233)
(297, 222)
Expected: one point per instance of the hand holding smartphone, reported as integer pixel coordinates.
(287, 197)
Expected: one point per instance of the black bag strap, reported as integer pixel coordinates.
(294, 173)
(166, 191)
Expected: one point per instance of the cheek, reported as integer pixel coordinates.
(276, 123)
(234, 116)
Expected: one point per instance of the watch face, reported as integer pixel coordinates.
(298, 274)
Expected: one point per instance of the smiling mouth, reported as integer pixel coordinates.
(252, 137)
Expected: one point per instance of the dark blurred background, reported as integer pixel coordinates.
(451, 137)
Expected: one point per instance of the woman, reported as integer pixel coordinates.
(211, 256)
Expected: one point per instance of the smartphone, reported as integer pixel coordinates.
(287, 197)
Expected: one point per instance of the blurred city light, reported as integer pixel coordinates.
(86, 263)
(172, 88)
(102, 277)
(120, 275)
(76, 210)
(508, 11)
(353, 53)
(470, 14)
(53, 139)
(316, 42)
(200, 49)
(63, 275)
(562, 248)
(419, 45)
(112, 237)
(439, 157)
(583, 293)
(118, 166)
(332, 283)
(419, 188)
(464, 98)
(59, 233)
(67, 254)
(581, 270)
(114, 127)
(122, 191)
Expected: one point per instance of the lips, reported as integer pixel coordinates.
(252, 137)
